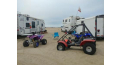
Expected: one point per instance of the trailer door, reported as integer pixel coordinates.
(38, 26)
(42, 26)
(100, 27)
(33, 26)
(27, 27)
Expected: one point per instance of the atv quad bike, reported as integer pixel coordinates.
(77, 36)
(35, 40)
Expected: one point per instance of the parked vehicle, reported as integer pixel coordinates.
(77, 36)
(90, 23)
(35, 40)
(88, 44)
(69, 22)
(26, 25)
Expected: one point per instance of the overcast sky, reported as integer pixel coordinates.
(54, 11)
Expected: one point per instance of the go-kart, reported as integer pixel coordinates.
(35, 40)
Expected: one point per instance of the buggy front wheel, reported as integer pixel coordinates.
(60, 47)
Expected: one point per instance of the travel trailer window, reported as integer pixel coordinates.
(69, 20)
(63, 20)
(66, 20)
(33, 24)
(27, 25)
(42, 25)
(27, 18)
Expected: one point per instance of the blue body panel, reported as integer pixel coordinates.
(80, 35)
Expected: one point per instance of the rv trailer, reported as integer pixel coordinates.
(69, 22)
(26, 25)
(90, 23)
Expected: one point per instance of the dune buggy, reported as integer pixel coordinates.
(88, 44)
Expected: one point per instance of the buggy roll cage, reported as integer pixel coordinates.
(83, 30)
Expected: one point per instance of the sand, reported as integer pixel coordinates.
(49, 55)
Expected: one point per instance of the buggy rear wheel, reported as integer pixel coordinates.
(89, 48)
(25, 43)
(44, 41)
(60, 47)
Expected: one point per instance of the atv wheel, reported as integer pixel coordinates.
(44, 41)
(35, 44)
(25, 43)
(60, 47)
(89, 48)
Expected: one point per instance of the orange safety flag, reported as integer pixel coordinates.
(79, 9)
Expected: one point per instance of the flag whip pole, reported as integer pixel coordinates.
(77, 12)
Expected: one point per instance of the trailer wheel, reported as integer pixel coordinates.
(44, 41)
(25, 43)
(89, 48)
(60, 47)
(35, 44)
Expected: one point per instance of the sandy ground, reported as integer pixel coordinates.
(49, 55)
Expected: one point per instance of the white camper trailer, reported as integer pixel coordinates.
(69, 22)
(90, 23)
(25, 21)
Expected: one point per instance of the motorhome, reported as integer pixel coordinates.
(27, 24)
(90, 23)
(69, 22)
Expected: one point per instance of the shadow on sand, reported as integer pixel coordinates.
(21, 37)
